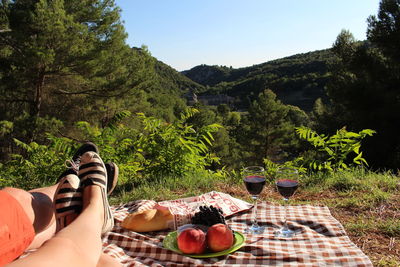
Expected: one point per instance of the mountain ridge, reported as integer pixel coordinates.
(297, 79)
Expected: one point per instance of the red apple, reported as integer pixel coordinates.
(192, 241)
(219, 237)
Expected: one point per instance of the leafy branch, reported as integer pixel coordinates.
(336, 148)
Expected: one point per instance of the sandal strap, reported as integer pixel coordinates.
(93, 172)
(90, 164)
(112, 176)
(93, 181)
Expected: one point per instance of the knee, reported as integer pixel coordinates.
(20, 195)
(107, 261)
(66, 248)
(24, 198)
(12, 190)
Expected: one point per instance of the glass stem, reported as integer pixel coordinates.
(285, 212)
(255, 210)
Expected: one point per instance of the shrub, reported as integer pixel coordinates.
(175, 148)
(336, 149)
(156, 150)
(40, 167)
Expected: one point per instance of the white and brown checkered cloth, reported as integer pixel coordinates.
(321, 241)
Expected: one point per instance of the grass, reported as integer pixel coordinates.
(168, 188)
(366, 203)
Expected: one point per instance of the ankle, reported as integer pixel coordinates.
(92, 197)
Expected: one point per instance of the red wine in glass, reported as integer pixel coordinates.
(254, 184)
(287, 182)
(287, 187)
(254, 180)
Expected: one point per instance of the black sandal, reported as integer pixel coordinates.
(112, 176)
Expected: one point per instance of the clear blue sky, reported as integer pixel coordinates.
(239, 33)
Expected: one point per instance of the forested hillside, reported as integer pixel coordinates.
(297, 80)
(171, 80)
(67, 62)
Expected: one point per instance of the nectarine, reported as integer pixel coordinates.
(219, 237)
(192, 241)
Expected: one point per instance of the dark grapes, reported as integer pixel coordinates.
(208, 215)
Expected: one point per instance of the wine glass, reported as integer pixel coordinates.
(254, 179)
(287, 181)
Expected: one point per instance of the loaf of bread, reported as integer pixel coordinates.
(148, 220)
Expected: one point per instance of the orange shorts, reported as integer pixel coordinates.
(16, 230)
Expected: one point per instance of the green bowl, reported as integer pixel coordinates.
(170, 242)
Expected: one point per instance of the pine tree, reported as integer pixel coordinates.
(384, 29)
(365, 85)
(55, 49)
(268, 127)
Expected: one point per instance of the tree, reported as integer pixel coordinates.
(364, 89)
(268, 127)
(384, 29)
(63, 49)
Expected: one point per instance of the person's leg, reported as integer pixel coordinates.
(38, 203)
(78, 244)
(38, 206)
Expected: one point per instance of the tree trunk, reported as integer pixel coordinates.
(37, 102)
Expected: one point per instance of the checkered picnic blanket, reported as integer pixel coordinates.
(320, 241)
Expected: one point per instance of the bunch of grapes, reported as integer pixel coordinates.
(208, 215)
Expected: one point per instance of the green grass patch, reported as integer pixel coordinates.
(361, 225)
(359, 200)
(357, 179)
(166, 188)
(390, 227)
(388, 262)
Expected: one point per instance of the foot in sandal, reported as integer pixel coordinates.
(112, 176)
(67, 200)
(92, 171)
(74, 163)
